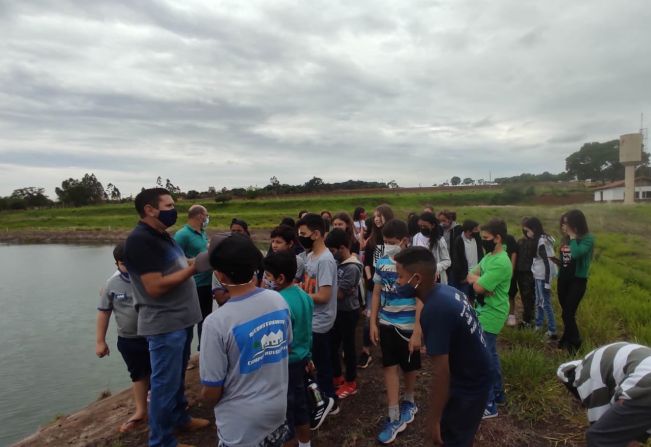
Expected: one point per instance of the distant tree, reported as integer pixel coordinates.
(32, 196)
(455, 180)
(171, 187)
(212, 191)
(159, 181)
(273, 181)
(223, 198)
(468, 181)
(598, 161)
(86, 191)
(314, 184)
(192, 194)
(113, 192)
(392, 184)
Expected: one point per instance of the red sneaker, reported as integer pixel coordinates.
(338, 381)
(347, 389)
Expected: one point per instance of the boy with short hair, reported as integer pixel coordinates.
(399, 332)
(320, 283)
(349, 274)
(492, 279)
(117, 298)
(460, 363)
(283, 238)
(279, 273)
(244, 349)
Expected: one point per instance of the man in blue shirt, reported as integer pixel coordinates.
(461, 366)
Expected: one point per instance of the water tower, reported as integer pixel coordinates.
(630, 155)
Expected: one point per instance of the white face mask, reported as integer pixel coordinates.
(391, 250)
(205, 223)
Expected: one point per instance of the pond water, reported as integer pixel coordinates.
(48, 367)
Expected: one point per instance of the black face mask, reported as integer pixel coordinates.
(427, 232)
(489, 246)
(168, 217)
(306, 242)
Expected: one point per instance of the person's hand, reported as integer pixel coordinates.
(437, 276)
(471, 278)
(548, 286)
(309, 367)
(570, 232)
(221, 296)
(374, 333)
(435, 434)
(415, 342)
(102, 349)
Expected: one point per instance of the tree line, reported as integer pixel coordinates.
(593, 161)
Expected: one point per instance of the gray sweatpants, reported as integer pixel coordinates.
(622, 423)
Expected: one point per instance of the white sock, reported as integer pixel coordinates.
(305, 444)
(394, 413)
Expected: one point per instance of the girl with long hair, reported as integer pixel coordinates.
(543, 270)
(577, 246)
(431, 237)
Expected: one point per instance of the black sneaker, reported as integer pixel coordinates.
(320, 412)
(364, 360)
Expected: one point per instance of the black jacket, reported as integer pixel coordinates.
(459, 262)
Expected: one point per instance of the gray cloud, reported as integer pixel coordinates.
(232, 93)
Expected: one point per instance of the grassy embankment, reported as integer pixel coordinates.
(260, 213)
(617, 305)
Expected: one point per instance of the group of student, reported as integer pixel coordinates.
(271, 354)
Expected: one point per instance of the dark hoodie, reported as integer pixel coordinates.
(349, 274)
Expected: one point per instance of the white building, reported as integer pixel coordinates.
(614, 192)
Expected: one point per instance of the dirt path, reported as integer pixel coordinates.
(356, 426)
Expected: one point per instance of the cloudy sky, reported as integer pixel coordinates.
(231, 93)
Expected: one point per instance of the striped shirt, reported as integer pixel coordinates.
(610, 373)
(394, 309)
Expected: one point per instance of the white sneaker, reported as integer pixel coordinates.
(512, 322)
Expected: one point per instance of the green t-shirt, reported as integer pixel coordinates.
(192, 243)
(495, 276)
(300, 312)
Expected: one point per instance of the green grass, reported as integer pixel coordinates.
(617, 304)
(266, 213)
(616, 307)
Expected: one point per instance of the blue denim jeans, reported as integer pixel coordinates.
(169, 355)
(544, 307)
(497, 387)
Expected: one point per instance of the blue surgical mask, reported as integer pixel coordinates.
(407, 290)
(167, 217)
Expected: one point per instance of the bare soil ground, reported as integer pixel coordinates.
(357, 425)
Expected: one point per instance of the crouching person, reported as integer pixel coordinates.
(614, 383)
(244, 350)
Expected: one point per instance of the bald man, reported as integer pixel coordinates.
(193, 240)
